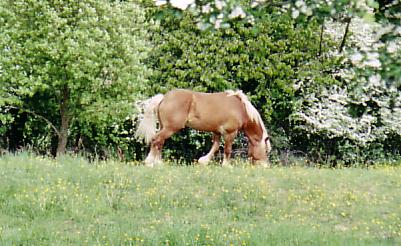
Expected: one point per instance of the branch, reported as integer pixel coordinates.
(271, 3)
(38, 116)
(348, 20)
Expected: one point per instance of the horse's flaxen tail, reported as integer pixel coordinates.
(147, 126)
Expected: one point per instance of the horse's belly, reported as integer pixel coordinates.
(214, 125)
(201, 125)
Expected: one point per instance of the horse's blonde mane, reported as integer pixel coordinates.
(251, 111)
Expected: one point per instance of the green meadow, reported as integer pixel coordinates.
(70, 201)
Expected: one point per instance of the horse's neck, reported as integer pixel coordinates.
(254, 132)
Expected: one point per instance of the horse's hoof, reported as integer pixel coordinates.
(264, 164)
(203, 161)
(149, 164)
(226, 164)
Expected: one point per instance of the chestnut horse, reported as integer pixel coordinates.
(223, 114)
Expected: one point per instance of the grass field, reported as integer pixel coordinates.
(73, 202)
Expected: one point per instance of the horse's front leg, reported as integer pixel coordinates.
(228, 143)
(154, 156)
(204, 160)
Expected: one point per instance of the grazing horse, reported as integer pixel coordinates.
(223, 114)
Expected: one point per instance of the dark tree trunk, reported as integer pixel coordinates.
(65, 120)
(348, 21)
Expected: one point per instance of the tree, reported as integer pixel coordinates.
(86, 57)
(359, 118)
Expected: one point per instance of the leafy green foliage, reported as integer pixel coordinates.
(84, 60)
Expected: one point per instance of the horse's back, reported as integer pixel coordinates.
(215, 112)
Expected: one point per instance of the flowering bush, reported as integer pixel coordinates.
(364, 112)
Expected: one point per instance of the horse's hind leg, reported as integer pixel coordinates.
(228, 143)
(216, 143)
(154, 156)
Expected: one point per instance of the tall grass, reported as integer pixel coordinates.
(72, 202)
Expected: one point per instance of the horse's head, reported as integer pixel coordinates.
(259, 140)
(259, 150)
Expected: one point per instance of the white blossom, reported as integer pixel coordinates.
(375, 63)
(397, 30)
(299, 3)
(181, 4)
(256, 3)
(219, 4)
(295, 14)
(375, 80)
(329, 113)
(237, 12)
(217, 20)
(160, 2)
(356, 57)
(393, 47)
(217, 23)
(206, 9)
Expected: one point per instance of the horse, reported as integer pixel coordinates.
(222, 113)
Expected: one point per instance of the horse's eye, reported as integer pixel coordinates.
(267, 138)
